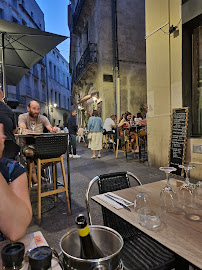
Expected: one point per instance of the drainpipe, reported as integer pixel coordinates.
(114, 43)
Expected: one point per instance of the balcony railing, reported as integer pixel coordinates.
(89, 56)
(28, 90)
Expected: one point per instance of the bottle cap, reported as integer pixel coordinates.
(40, 258)
(81, 221)
(12, 255)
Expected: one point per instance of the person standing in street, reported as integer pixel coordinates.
(95, 129)
(72, 127)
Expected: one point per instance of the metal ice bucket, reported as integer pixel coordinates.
(108, 241)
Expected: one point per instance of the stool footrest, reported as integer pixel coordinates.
(52, 192)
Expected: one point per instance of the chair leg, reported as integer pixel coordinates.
(65, 185)
(30, 175)
(117, 148)
(39, 189)
(54, 183)
(113, 141)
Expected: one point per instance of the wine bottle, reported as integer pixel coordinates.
(89, 249)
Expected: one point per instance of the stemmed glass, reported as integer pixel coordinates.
(186, 190)
(33, 125)
(168, 196)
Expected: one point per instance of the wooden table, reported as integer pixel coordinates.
(30, 241)
(178, 233)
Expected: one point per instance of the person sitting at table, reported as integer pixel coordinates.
(125, 122)
(32, 122)
(15, 206)
(144, 121)
(7, 118)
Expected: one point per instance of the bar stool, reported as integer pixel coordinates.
(50, 149)
(106, 137)
(122, 139)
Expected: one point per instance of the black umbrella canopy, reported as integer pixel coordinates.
(21, 47)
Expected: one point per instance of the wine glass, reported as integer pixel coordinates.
(168, 196)
(186, 190)
(33, 125)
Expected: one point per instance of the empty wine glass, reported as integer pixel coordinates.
(186, 190)
(33, 125)
(168, 197)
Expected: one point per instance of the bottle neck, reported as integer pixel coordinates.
(83, 232)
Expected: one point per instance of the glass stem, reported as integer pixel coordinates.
(167, 177)
(187, 177)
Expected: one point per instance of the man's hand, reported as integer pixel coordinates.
(54, 129)
(2, 139)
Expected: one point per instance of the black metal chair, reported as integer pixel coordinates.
(50, 149)
(140, 252)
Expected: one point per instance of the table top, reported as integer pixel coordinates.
(30, 241)
(178, 233)
(30, 134)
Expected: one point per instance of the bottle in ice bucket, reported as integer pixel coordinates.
(89, 249)
(40, 258)
(12, 256)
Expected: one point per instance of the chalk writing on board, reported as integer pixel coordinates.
(178, 138)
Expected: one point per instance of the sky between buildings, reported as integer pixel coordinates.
(55, 16)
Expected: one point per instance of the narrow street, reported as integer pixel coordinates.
(55, 220)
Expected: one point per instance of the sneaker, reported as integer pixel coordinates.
(99, 156)
(76, 156)
(70, 155)
(93, 157)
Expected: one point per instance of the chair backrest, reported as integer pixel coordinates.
(106, 183)
(50, 146)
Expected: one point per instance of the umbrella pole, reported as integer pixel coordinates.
(3, 67)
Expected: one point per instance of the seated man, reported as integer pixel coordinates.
(110, 127)
(32, 121)
(15, 206)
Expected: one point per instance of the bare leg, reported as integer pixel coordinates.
(34, 176)
(99, 156)
(93, 152)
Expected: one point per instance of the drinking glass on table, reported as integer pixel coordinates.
(33, 125)
(141, 200)
(168, 196)
(186, 195)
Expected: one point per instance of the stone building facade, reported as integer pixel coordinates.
(38, 83)
(174, 76)
(107, 55)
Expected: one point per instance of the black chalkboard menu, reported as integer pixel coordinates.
(178, 139)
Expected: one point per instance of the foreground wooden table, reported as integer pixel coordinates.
(178, 233)
(30, 241)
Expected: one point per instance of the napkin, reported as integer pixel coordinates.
(113, 203)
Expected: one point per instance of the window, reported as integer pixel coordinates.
(51, 96)
(58, 75)
(32, 14)
(65, 102)
(15, 20)
(68, 83)
(50, 70)
(55, 75)
(14, 2)
(1, 13)
(59, 100)
(24, 22)
(23, 3)
(56, 97)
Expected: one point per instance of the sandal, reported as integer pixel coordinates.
(93, 157)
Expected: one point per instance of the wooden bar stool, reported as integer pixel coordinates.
(106, 137)
(50, 149)
(125, 147)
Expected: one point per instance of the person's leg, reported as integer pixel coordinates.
(74, 143)
(93, 156)
(70, 144)
(99, 156)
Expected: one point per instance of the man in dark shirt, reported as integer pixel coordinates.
(72, 127)
(8, 120)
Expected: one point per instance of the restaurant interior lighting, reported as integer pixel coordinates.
(54, 105)
(94, 99)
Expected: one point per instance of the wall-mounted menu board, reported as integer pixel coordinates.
(178, 138)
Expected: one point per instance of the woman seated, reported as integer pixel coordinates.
(125, 122)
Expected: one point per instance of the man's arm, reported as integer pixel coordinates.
(142, 122)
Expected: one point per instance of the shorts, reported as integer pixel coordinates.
(10, 169)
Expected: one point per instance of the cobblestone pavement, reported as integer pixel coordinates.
(55, 220)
